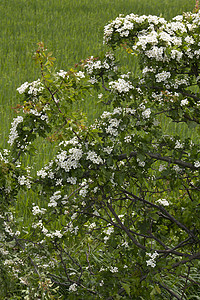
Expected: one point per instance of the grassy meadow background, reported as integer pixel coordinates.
(72, 29)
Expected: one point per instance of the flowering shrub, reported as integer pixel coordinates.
(116, 211)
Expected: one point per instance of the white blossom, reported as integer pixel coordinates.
(73, 287)
(161, 168)
(4, 252)
(96, 213)
(148, 38)
(80, 75)
(93, 80)
(59, 182)
(121, 85)
(197, 164)
(69, 161)
(156, 52)
(53, 199)
(57, 233)
(35, 87)
(163, 202)
(42, 173)
(106, 114)
(127, 139)
(108, 149)
(91, 155)
(23, 87)
(84, 190)
(140, 163)
(13, 131)
(175, 54)
(109, 230)
(176, 168)
(36, 210)
(62, 73)
(117, 110)
(189, 40)
(24, 181)
(146, 114)
(184, 102)
(72, 180)
(125, 244)
(74, 216)
(162, 76)
(112, 128)
(178, 145)
(151, 262)
(113, 269)
(100, 95)
(101, 283)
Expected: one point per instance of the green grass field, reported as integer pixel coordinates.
(71, 29)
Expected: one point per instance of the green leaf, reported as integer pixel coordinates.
(126, 286)
(118, 297)
(192, 124)
(157, 289)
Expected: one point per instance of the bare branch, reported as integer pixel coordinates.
(162, 209)
(157, 156)
(164, 286)
(190, 258)
(125, 228)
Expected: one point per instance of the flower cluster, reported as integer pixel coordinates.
(13, 131)
(73, 287)
(151, 262)
(91, 155)
(36, 210)
(69, 161)
(40, 114)
(94, 64)
(121, 85)
(124, 26)
(163, 202)
(24, 181)
(161, 46)
(53, 199)
(34, 88)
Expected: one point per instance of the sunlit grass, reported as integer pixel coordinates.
(71, 29)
